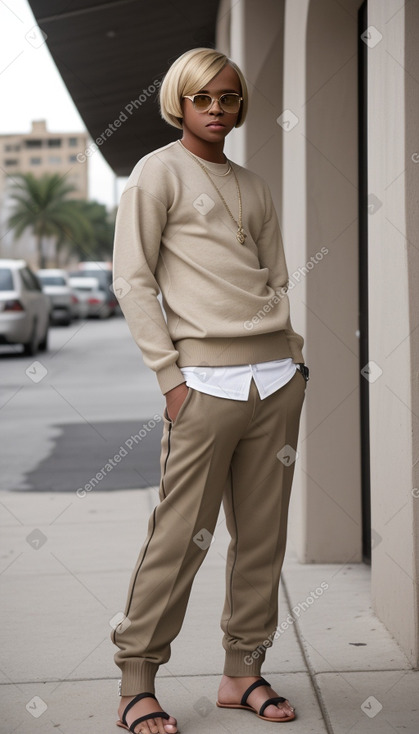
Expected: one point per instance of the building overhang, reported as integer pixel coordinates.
(110, 56)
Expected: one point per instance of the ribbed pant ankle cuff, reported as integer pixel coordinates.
(239, 663)
(138, 677)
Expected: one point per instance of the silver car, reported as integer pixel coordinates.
(90, 293)
(24, 308)
(103, 272)
(55, 283)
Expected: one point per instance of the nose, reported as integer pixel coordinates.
(218, 110)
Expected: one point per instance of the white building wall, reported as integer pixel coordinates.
(393, 163)
(301, 59)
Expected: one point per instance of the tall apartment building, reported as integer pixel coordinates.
(39, 151)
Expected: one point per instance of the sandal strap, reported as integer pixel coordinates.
(133, 702)
(246, 694)
(277, 699)
(155, 715)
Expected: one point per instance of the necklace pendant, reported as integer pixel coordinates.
(241, 235)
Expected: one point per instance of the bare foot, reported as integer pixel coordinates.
(231, 690)
(143, 707)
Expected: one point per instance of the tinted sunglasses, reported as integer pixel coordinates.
(229, 102)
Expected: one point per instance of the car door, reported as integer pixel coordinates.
(35, 300)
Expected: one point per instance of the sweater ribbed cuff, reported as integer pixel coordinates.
(138, 676)
(239, 663)
(169, 377)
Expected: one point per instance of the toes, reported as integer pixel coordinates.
(154, 726)
(274, 712)
(285, 710)
(158, 726)
(147, 727)
(279, 712)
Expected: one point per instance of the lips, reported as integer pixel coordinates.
(215, 125)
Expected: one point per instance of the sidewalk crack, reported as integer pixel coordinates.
(311, 672)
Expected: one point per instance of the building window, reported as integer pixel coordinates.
(54, 160)
(35, 161)
(72, 142)
(33, 143)
(11, 162)
(72, 158)
(54, 143)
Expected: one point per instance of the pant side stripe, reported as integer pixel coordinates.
(235, 551)
(141, 563)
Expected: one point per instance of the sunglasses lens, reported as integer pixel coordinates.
(230, 102)
(202, 102)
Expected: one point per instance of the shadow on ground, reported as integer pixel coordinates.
(107, 455)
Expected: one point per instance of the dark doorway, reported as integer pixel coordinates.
(363, 278)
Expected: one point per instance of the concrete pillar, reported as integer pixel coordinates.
(301, 136)
(300, 60)
(393, 165)
(328, 490)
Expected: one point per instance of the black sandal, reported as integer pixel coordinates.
(156, 715)
(244, 705)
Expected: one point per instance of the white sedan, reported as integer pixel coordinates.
(90, 295)
(24, 308)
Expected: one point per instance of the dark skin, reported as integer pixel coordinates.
(204, 134)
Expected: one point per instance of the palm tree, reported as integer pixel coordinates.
(102, 224)
(42, 205)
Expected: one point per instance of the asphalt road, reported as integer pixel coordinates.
(85, 416)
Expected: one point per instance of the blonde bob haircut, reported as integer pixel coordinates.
(188, 75)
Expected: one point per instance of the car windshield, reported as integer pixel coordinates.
(6, 280)
(52, 280)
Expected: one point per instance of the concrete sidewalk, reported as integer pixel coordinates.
(65, 566)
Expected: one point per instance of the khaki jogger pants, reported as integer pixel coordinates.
(241, 453)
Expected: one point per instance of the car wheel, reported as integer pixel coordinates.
(43, 345)
(31, 347)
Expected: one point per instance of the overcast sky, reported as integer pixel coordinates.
(31, 88)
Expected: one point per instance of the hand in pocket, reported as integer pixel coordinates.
(175, 399)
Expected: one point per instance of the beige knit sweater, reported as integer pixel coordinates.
(225, 303)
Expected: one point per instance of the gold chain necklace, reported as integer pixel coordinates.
(240, 234)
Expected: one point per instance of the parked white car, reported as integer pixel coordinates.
(24, 308)
(94, 299)
(56, 284)
(103, 272)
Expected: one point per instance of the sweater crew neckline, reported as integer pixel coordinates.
(217, 168)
